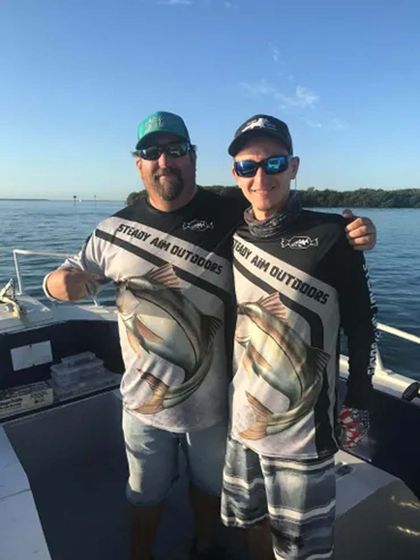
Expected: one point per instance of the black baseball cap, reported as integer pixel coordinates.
(261, 125)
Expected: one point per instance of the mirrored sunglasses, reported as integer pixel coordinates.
(173, 150)
(271, 166)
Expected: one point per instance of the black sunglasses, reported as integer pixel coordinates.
(271, 166)
(173, 150)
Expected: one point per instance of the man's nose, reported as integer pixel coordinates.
(261, 177)
(164, 160)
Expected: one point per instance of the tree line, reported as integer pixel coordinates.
(327, 198)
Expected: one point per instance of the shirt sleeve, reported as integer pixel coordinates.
(358, 321)
(88, 259)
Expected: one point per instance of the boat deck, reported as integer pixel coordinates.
(74, 459)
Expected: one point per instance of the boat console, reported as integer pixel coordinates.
(52, 354)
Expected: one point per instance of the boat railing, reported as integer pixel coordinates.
(398, 333)
(30, 252)
(386, 379)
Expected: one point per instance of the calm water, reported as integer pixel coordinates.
(394, 264)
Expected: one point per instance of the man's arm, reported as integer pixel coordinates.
(358, 319)
(80, 275)
(70, 284)
(360, 231)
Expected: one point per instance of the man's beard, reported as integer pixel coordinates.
(171, 187)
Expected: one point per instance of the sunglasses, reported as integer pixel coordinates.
(271, 166)
(173, 150)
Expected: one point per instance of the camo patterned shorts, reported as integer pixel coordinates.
(298, 498)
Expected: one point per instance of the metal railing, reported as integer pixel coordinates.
(28, 252)
(17, 252)
(399, 334)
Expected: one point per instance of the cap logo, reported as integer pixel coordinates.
(259, 123)
(153, 124)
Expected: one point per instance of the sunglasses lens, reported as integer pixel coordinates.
(271, 166)
(177, 150)
(174, 150)
(276, 164)
(150, 153)
(245, 168)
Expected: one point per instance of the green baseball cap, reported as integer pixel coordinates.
(159, 122)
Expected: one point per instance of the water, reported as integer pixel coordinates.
(394, 264)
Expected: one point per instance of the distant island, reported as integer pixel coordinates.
(25, 199)
(79, 201)
(327, 198)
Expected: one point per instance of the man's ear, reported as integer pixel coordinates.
(294, 166)
(138, 163)
(193, 155)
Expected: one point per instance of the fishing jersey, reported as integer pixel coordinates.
(293, 292)
(175, 299)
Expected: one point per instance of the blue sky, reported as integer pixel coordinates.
(78, 75)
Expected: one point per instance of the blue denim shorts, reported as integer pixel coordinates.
(153, 455)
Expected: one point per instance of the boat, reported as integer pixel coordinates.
(62, 460)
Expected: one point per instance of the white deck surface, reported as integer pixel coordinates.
(22, 534)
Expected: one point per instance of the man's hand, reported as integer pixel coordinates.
(71, 284)
(353, 424)
(361, 232)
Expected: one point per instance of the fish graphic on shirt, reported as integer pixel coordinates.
(276, 353)
(160, 319)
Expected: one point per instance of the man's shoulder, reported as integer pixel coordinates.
(131, 211)
(328, 226)
(307, 219)
(316, 216)
(326, 221)
(227, 201)
(223, 195)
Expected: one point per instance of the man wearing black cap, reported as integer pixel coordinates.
(296, 281)
(170, 256)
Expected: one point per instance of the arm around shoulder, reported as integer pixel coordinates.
(360, 231)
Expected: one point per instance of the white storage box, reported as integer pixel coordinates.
(76, 359)
(74, 369)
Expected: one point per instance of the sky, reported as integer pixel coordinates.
(77, 76)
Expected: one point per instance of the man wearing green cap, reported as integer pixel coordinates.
(170, 256)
